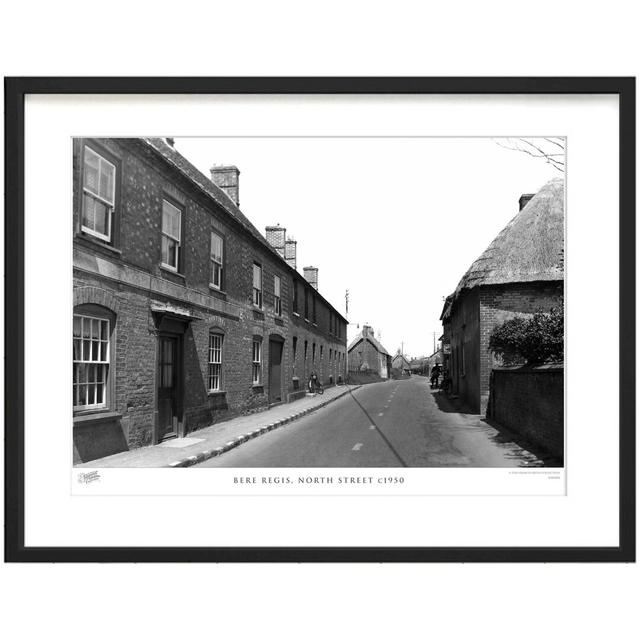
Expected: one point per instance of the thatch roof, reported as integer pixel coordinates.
(530, 248)
(446, 308)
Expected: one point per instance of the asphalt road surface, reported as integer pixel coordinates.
(386, 424)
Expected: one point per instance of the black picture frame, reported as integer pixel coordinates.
(15, 91)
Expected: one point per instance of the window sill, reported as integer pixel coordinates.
(217, 393)
(89, 419)
(217, 292)
(257, 386)
(97, 242)
(296, 314)
(172, 272)
(306, 321)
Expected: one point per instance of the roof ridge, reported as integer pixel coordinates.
(212, 190)
(524, 257)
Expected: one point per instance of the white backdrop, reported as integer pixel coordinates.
(586, 516)
(336, 38)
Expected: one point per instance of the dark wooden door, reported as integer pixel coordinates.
(275, 371)
(168, 387)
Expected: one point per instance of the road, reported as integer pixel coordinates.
(387, 424)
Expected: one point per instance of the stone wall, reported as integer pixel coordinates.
(530, 402)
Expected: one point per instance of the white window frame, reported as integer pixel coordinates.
(101, 365)
(277, 295)
(168, 235)
(214, 380)
(257, 292)
(110, 205)
(215, 263)
(256, 368)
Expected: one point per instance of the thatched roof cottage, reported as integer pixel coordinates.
(520, 272)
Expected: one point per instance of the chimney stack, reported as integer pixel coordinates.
(290, 251)
(524, 198)
(311, 276)
(227, 177)
(367, 330)
(276, 238)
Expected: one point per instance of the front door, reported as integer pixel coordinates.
(168, 387)
(275, 371)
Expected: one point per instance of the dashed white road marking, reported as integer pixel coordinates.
(372, 427)
(357, 446)
(381, 414)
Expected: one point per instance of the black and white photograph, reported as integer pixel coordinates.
(320, 320)
(367, 319)
(318, 302)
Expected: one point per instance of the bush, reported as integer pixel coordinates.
(532, 340)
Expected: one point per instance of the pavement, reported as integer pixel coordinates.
(217, 439)
(399, 423)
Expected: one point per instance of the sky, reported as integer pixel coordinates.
(396, 221)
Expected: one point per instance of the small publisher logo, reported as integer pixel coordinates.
(86, 478)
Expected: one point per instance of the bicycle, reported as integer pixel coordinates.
(314, 385)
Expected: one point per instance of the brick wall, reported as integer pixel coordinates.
(500, 303)
(530, 401)
(330, 354)
(473, 316)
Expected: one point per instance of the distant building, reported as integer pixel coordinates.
(521, 272)
(419, 366)
(400, 365)
(367, 354)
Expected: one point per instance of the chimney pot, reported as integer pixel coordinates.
(227, 177)
(290, 252)
(311, 276)
(524, 198)
(276, 237)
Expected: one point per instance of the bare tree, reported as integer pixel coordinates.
(552, 150)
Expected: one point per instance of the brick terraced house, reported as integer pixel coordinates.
(184, 313)
(521, 272)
